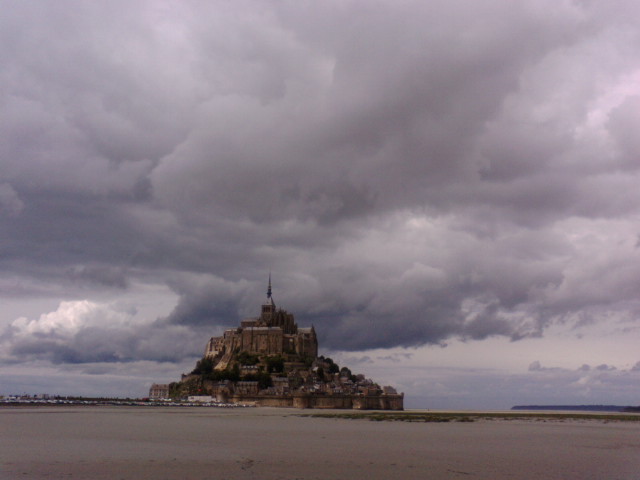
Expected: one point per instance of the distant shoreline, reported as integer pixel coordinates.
(118, 403)
(580, 408)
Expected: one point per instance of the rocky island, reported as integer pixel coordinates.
(270, 361)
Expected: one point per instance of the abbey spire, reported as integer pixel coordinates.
(269, 301)
(268, 307)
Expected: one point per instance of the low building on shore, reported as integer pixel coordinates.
(159, 391)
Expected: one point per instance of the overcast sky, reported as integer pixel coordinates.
(447, 190)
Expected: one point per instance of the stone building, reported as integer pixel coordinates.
(274, 332)
(159, 391)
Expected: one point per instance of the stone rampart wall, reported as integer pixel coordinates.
(373, 402)
(281, 401)
(379, 402)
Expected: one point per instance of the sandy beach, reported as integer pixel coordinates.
(258, 443)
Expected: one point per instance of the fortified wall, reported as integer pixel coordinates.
(306, 400)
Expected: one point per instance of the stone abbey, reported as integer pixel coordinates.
(270, 361)
(274, 332)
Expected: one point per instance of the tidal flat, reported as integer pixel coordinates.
(264, 443)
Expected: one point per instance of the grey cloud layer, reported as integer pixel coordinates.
(410, 172)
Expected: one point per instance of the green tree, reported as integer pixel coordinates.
(245, 358)
(275, 364)
(234, 373)
(203, 367)
(264, 380)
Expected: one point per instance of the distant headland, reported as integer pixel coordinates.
(580, 408)
(270, 361)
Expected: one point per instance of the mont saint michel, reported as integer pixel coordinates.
(269, 361)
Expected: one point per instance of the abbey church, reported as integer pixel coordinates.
(274, 332)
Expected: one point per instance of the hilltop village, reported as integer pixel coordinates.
(270, 361)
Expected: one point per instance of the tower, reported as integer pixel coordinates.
(268, 307)
(269, 297)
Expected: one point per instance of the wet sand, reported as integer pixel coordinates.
(203, 443)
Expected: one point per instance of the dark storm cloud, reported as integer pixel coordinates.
(411, 172)
(102, 275)
(10, 203)
(207, 301)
